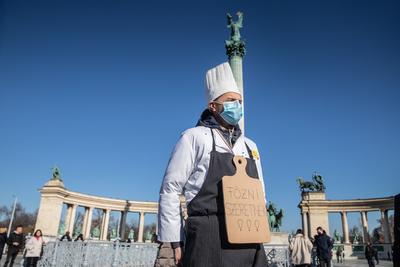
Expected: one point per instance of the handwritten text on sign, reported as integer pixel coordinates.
(245, 210)
(248, 210)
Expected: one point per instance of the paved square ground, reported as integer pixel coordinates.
(361, 263)
(348, 263)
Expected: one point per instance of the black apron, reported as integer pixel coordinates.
(206, 238)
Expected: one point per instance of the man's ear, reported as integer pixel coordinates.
(212, 107)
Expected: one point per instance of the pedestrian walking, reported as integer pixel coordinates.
(301, 248)
(34, 249)
(324, 244)
(339, 254)
(3, 240)
(376, 256)
(370, 254)
(15, 243)
(203, 155)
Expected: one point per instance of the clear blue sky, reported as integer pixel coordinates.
(104, 88)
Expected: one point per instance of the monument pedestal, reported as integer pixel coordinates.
(314, 214)
(51, 204)
(279, 238)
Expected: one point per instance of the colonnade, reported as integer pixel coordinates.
(345, 227)
(54, 196)
(315, 208)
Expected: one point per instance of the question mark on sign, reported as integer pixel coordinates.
(240, 223)
(248, 225)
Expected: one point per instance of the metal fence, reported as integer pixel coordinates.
(113, 254)
(98, 254)
(277, 255)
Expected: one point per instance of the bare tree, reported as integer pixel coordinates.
(22, 217)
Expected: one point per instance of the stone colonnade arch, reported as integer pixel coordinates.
(54, 196)
(314, 208)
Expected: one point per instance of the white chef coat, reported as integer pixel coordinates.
(187, 169)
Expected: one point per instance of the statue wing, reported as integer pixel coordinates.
(240, 19)
(229, 20)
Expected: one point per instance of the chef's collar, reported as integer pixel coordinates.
(208, 120)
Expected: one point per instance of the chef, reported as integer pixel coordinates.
(202, 156)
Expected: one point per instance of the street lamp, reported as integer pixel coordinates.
(12, 216)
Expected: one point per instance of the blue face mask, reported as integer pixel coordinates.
(233, 112)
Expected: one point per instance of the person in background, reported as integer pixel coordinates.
(3, 240)
(79, 237)
(370, 254)
(339, 252)
(34, 249)
(324, 244)
(376, 257)
(66, 236)
(301, 248)
(15, 243)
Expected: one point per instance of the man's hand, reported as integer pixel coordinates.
(178, 256)
(16, 244)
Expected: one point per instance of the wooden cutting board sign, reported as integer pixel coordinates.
(245, 210)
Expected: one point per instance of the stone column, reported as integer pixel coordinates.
(236, 65)
(345, 228)
(67, 217)
(72, 220)
(305, 224)
(385, 225)
(123, 224)
(87, 222)
(364, 222)
(103, 218)
(235, 50)
(84, 223)
(104, 224)
(141, 226)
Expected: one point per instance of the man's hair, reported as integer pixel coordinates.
(18, 226)
(320, 228)
(299, 231)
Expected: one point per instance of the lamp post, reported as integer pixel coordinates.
(12, 216)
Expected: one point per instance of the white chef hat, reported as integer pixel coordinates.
(220, 80)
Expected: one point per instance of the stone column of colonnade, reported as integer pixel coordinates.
(364, 222)
(345, 227)
(305, 224)
(104, 224)
(141, 226)
(122, 224)
(69, 222)
(67, 217)
(87, 222)
(385, 225)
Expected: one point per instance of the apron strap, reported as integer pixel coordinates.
(213, 138)
(249, 151)
(247, 147)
